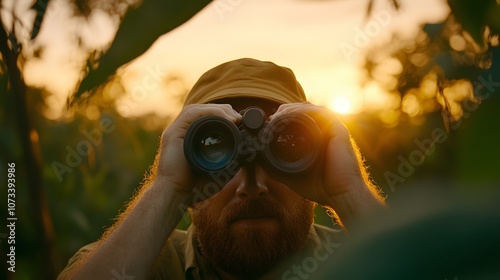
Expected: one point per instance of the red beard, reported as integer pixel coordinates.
(253, 251)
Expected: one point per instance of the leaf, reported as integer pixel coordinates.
(40, 7)
(139, 29)
(473, 16)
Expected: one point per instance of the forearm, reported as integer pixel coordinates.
(134, 244)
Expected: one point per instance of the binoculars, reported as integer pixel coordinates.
(289, 144)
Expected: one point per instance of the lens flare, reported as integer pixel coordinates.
(341, 104)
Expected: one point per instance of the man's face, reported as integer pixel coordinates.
(252, 223)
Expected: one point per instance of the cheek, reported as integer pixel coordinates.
(212, 207)
(222, 197)
(292, 201)
(282, 192)
(203, 215)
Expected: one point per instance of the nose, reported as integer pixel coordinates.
(251, 184)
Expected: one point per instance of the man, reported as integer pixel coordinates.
(259, 224)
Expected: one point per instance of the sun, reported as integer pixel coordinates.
(340, 104)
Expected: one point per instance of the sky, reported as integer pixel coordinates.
(322, 41)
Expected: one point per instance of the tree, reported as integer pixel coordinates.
(462, 49)
(161, 16)
(15, 91)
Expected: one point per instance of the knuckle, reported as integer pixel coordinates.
(188, 109)
(164, 137)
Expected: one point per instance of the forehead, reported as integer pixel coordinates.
(241, 103)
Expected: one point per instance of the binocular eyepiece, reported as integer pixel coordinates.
(289, 144)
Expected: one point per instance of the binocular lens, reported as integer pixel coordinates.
(295, 145)
(210, 143)
(291, 144)
(214, 147)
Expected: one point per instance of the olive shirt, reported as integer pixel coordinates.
(180, 257)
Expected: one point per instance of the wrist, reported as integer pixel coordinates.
(175, 203)
(171, 183)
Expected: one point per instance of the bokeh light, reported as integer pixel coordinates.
(341, 104)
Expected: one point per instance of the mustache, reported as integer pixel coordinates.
(251, 209)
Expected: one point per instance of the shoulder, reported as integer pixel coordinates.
(329, 235)
(171, 262)
(322, 230)
(178, 239)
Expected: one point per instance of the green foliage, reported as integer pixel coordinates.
(94, 191)
(84, 200)
(461, 48)
(39, 6)
(88, 184)
(461, 54)
(157, 17)
(476, 16)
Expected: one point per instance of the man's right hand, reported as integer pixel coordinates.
(157, 204)
(172, 166)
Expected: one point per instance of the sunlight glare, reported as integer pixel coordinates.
(341, 104)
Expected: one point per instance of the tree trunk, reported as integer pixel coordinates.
(32, 160)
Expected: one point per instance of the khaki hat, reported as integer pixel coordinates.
(247, 77)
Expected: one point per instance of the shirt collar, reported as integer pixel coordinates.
(196, 266)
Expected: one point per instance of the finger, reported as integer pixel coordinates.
(304, 108)
(196, 111)
(190, 113)
(324, 116)
(289, 107)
